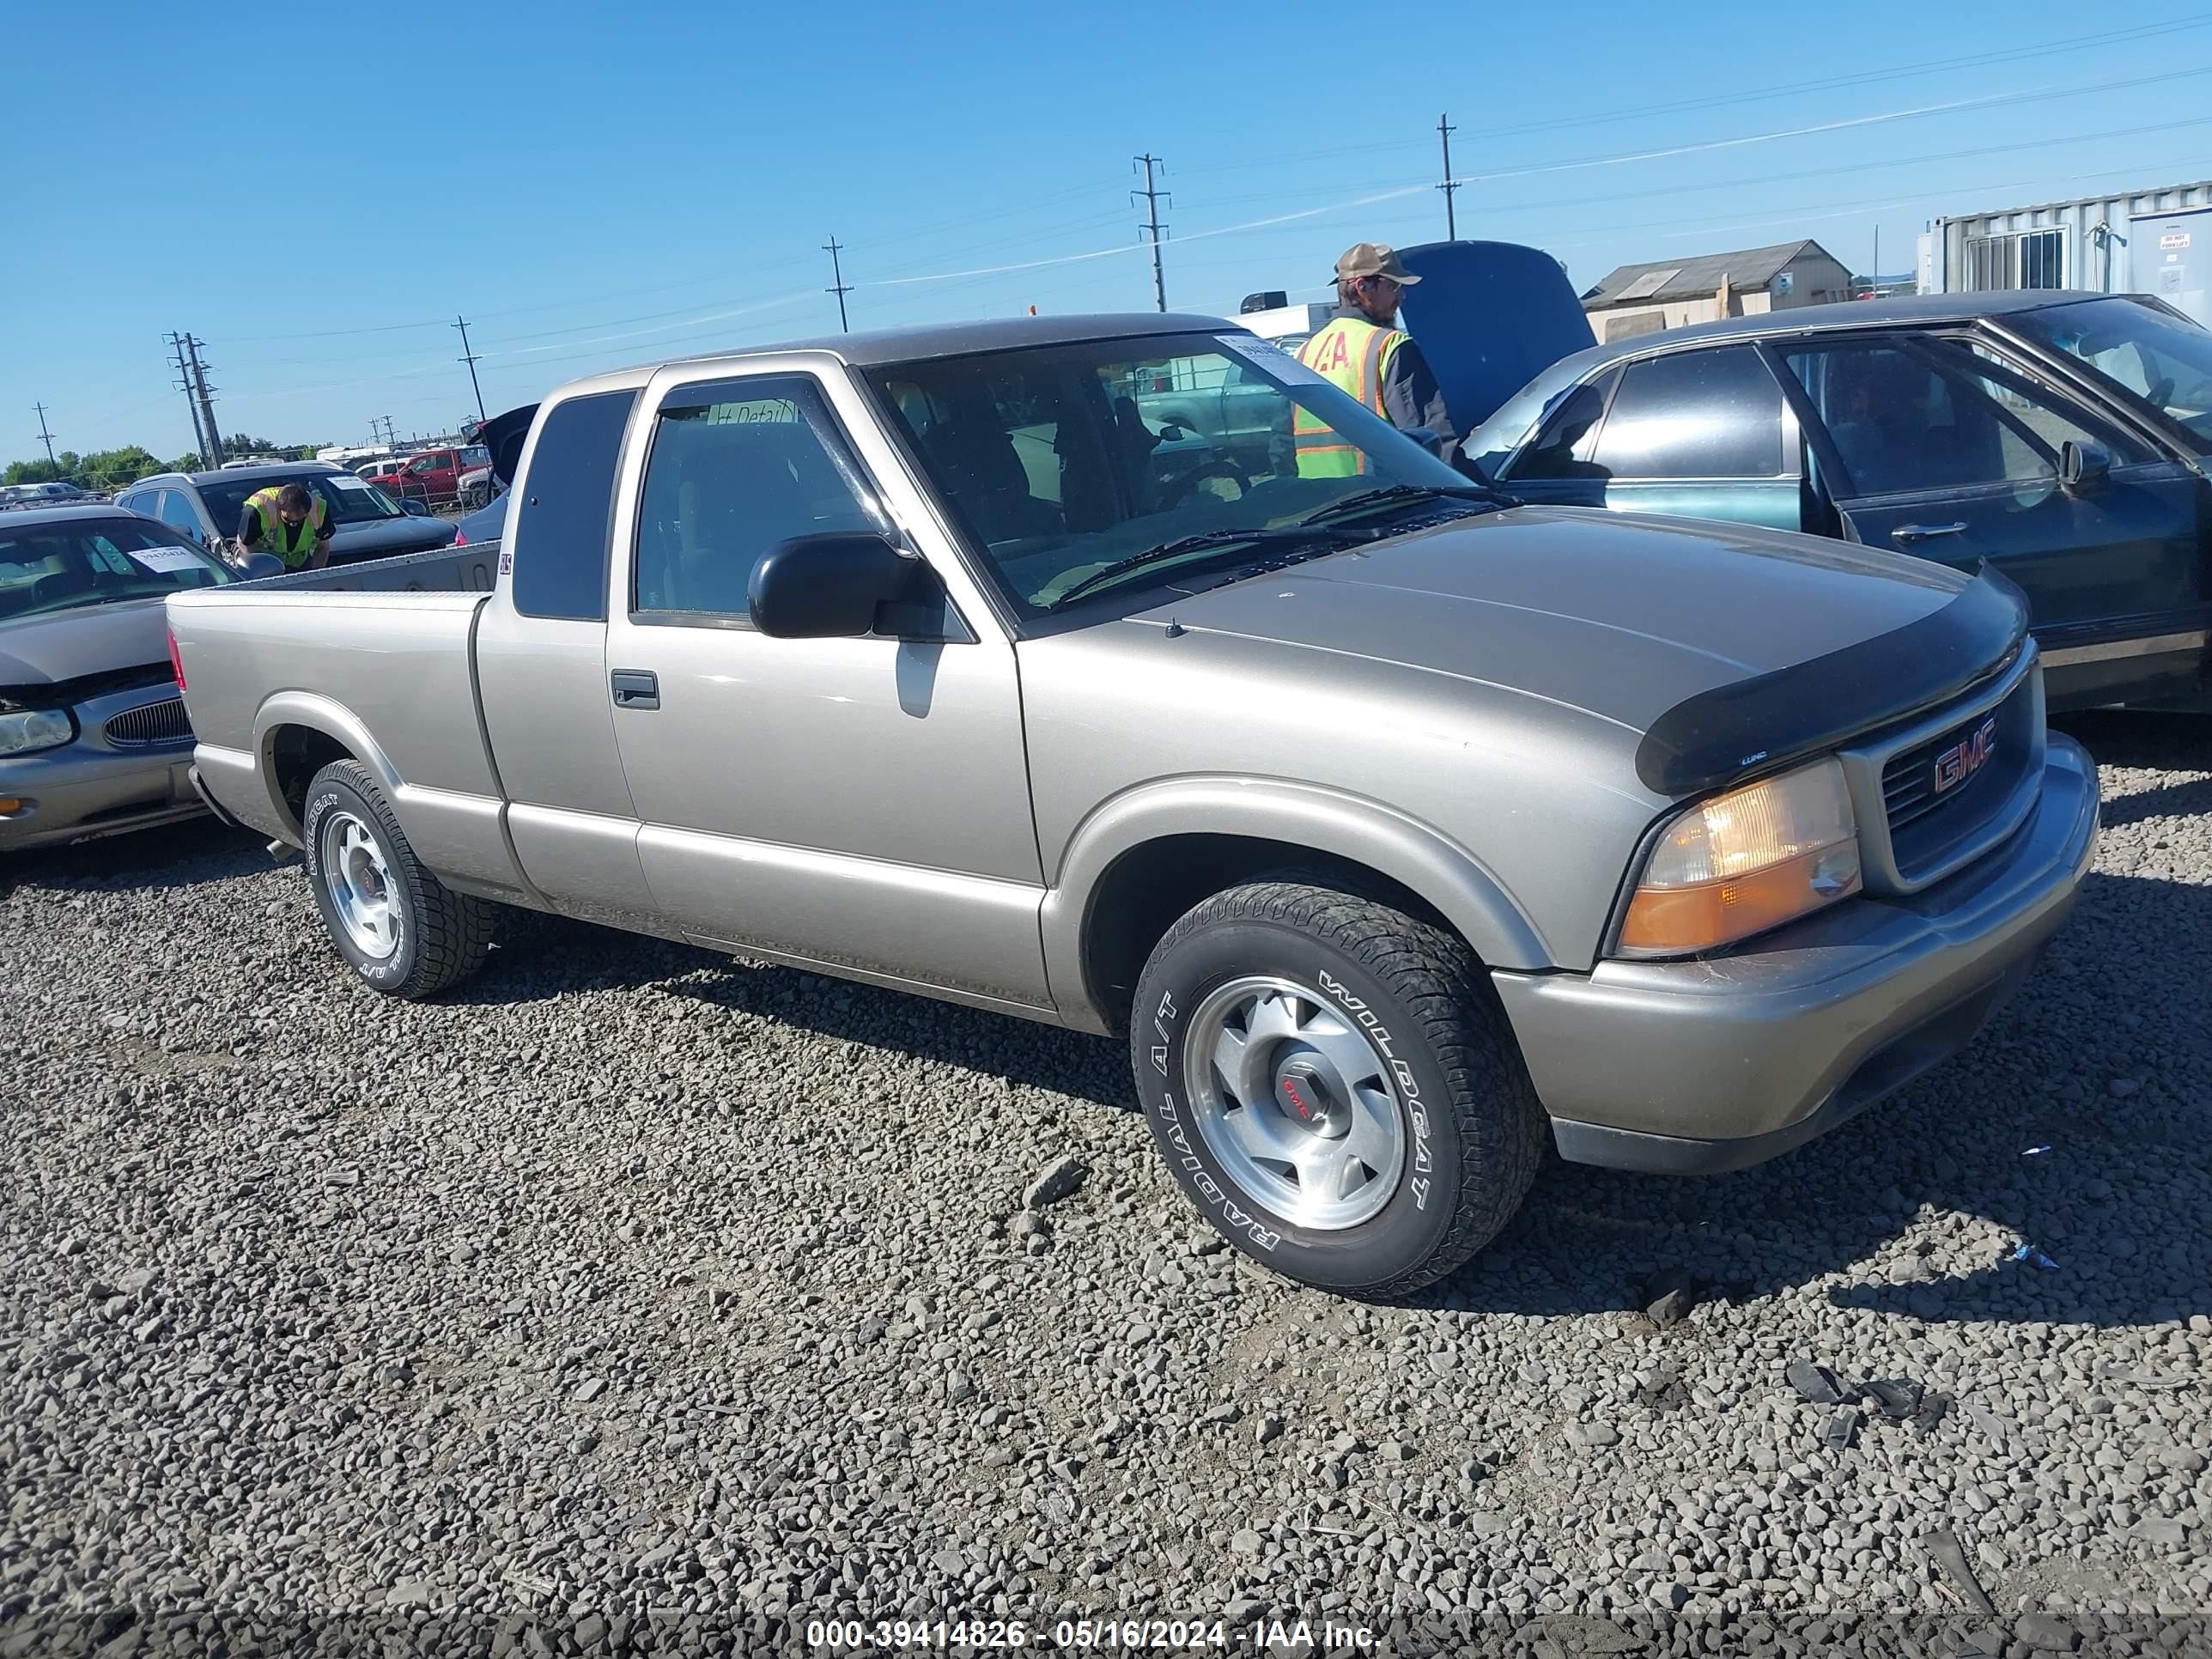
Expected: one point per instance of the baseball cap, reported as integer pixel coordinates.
(1373, 259)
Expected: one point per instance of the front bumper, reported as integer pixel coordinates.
(79, 792)
(1711, 1065)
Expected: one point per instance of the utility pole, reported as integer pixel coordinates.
(839, 287)
(205, 394)
(470, 358)
(48, 436)
(1444, 131)
(1151, 225)
(208, 457)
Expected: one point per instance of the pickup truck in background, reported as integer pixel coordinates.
(1394, 826)
(435, 476)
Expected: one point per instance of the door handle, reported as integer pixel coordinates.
(636, 688)
(1921, 532)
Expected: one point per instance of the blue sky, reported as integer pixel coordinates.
(595, 185)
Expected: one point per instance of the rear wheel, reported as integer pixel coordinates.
(400, 928)
(1335, 1086)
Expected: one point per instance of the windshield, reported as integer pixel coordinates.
(2142, 350)
(1064, 461)
(353, 500)
(67, 567)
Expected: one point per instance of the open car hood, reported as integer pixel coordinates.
(1489, 317)
(503, 435)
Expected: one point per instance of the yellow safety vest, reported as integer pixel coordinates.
(281, 536)
(1353, 355)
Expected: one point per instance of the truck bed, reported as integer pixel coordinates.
(377, 656)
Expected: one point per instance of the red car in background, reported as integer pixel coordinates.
(435, 476)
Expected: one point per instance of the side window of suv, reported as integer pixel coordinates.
(176, 510)
(1710, 413)
(737, 467)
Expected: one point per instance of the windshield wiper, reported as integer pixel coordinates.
(1311, 535)
(1391, 494)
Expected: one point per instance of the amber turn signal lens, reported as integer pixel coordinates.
(1745, 862)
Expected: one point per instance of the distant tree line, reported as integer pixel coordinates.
(112, 469)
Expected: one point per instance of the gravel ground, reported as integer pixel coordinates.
(632, 1299)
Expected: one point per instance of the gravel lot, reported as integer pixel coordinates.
(633, 1299)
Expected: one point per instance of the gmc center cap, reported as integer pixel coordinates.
(1304, 1096)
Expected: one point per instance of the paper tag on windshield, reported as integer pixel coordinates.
(1266, 354)
(166, 561)
(361, 485)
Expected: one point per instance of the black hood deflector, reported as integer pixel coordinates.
(1761, 723)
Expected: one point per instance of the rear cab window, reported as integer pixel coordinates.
(563, 522)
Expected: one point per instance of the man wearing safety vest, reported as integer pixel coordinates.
(1360, 350)
(277, 519)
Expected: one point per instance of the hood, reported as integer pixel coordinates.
(1489, 318)
(1724, 647)
(75, 645)
(385, 539)
(503, 435)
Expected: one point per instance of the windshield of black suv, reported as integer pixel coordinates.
(50, 567)
(353, 500)
(2144, 351)
(1157, 454)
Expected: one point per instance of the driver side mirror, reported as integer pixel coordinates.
(2084, 467)
(414, 509)
(831, 586)
(1423, 436)
(256, 566)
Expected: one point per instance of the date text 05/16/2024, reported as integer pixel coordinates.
(1124, 1635)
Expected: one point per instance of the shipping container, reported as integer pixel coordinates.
(2148, 241)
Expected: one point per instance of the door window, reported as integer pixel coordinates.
(176, 509)
(1919, 415)
(736, 468)
(1714, 414)
(1567, 435)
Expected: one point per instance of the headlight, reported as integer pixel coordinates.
(1745, 862)
(25, 729)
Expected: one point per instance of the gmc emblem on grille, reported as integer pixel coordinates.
(1954, 765)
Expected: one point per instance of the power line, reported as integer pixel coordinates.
(48, 436)
(1584, 118)
(469, 356)
(1444, 131)
(838, 284)
(1151, 224)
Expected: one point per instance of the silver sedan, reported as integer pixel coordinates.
(93, 739)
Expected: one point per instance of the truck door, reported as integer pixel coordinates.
(861, 803)
(1946, 448)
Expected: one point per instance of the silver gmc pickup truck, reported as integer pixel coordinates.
(1398, 828)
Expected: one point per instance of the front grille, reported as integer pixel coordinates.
(157, 722)
(1940, 793)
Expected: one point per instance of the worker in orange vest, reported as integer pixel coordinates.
(1362, 351)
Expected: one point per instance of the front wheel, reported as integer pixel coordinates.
(400, 928)
(1334, 1086)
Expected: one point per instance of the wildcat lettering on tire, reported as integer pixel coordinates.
(1332, 1083)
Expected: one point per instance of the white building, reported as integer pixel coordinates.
(2148, 241)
